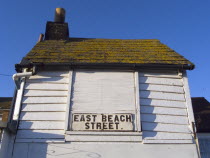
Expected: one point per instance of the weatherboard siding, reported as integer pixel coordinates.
(47, 108)
(45, 101)
(163, 107)
(43, 107)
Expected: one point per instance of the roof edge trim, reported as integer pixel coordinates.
(19, 67)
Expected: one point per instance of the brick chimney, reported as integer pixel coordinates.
(57, 30)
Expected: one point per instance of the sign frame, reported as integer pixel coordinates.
(103, 122)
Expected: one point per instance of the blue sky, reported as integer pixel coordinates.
(182, 25)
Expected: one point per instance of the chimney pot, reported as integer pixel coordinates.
(57, 30)
(41, 36)
(60, 15)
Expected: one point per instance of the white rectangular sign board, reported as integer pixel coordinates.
(102, 122)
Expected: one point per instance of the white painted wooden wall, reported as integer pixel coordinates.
(164, 108)
(48, 96)
(164, 115)
(204, 144)
(104, 150)
(44, 102)
(103, 92)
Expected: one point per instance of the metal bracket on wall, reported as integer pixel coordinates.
(194, 130)
(180, 73)
(12, 126)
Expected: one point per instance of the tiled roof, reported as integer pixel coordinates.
(201, 108)
(104, 51)
(5, 103)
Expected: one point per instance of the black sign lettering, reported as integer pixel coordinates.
(87, 126)
(103, 118)
(100, 122)
(104, 125)
(76, 118)
(98, 125)
(94, 118)
(82, 118)
(116, 118)
(92, 123)
(111, 126)
(117, 125)
(110, 118)
(122, 118)
(128, 118)
(88, 118)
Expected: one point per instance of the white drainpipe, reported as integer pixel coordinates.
(17, 76)
(19, 79)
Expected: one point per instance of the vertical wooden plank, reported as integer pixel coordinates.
(188, 100)
(204, 144)
(7, 144)
(21, 150)
(137, 97)
(68, 106)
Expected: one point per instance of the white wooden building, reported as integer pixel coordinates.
(100, 98)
